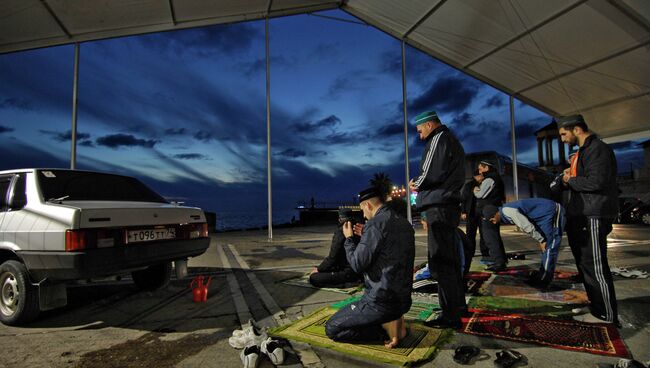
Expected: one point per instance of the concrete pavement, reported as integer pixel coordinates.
(115, 325)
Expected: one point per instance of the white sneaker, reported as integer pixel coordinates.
(274, 351)
(250, 356)
(249, 336)
(588, 318)
(251, 324)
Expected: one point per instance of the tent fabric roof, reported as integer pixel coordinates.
(561, 56)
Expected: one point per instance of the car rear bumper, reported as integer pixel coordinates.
(62, 266)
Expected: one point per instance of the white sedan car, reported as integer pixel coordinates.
(58, 226)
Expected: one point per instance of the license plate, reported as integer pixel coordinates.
(136, 236)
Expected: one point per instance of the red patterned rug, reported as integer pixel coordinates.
(602, 339)
(474, 281)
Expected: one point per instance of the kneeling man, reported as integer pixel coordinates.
(385, 256)
(543, 220)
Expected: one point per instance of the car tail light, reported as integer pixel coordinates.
(75, 240)
(197, 230)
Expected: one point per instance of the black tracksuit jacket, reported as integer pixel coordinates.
(442, 170)
(594, 192)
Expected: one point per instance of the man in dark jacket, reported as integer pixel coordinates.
(438, 186)
(491, 191)
(385, 256)
(472, 220)
(335, 271)
(592, 207)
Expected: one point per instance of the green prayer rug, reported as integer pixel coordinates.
(419, 345)
(419, 311)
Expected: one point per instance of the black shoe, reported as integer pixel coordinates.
(443, 322)
(496, 268)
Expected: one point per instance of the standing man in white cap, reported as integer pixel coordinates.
(591, 210)
(438, 186)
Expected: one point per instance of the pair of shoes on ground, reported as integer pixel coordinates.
(508, 358)
(250, 335)
(250, 356)
(468, 354)
(623, 363)
(631, 274)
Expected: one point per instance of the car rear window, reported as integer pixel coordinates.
(89, 186)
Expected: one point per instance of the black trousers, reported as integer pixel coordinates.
(492, 235)
(444, 258)
(333, 279)
(588, 242)
(361, 322)
(471, 228)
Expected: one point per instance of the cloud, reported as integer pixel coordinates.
(4, 129)
(355, 80)
(175, 131)
(16, 103)
(204, 41)
(446, 95)
(87, 143)
(203, 136)
(329, 122)
(258, 66)
(390, 130)
(64, 136)
(126, 140)
(291, 152)
(191, 156)
(420, 67)
(494, 101)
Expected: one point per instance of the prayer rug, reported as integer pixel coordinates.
(419, 311)
(514, 287)
(519, 305)
(303, 281)
(525, 271)
(594, 338)
(475, 280)
(420, 344)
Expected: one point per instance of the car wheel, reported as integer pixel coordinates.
(645, 218)
(153, 277)
(18, 298)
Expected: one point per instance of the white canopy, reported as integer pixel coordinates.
(561, 56)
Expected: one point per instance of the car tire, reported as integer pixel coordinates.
(645, 218)
(153, 277)
(18, 297)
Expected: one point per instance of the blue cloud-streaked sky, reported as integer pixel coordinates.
(185, 111)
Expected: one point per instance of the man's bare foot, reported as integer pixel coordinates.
(397, 331)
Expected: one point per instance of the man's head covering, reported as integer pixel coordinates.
(489, 211)
(570, 121)
(426, 117)
(345, 214)
(487, 163)
(368, 193)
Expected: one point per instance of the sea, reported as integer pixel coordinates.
(240, 220)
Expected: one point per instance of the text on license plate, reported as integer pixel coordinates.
(134, 236)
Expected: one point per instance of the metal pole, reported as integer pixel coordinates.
(268, 131)
(75, 80)
(515, 183)
(406, 136)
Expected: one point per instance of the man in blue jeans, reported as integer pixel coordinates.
(543, 220)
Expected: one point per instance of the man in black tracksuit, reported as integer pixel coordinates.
(438, 187)
(592, 207)
(491, 191)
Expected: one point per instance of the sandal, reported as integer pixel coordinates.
(465, 354)
(509, 358)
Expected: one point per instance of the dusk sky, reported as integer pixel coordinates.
(185, 111)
